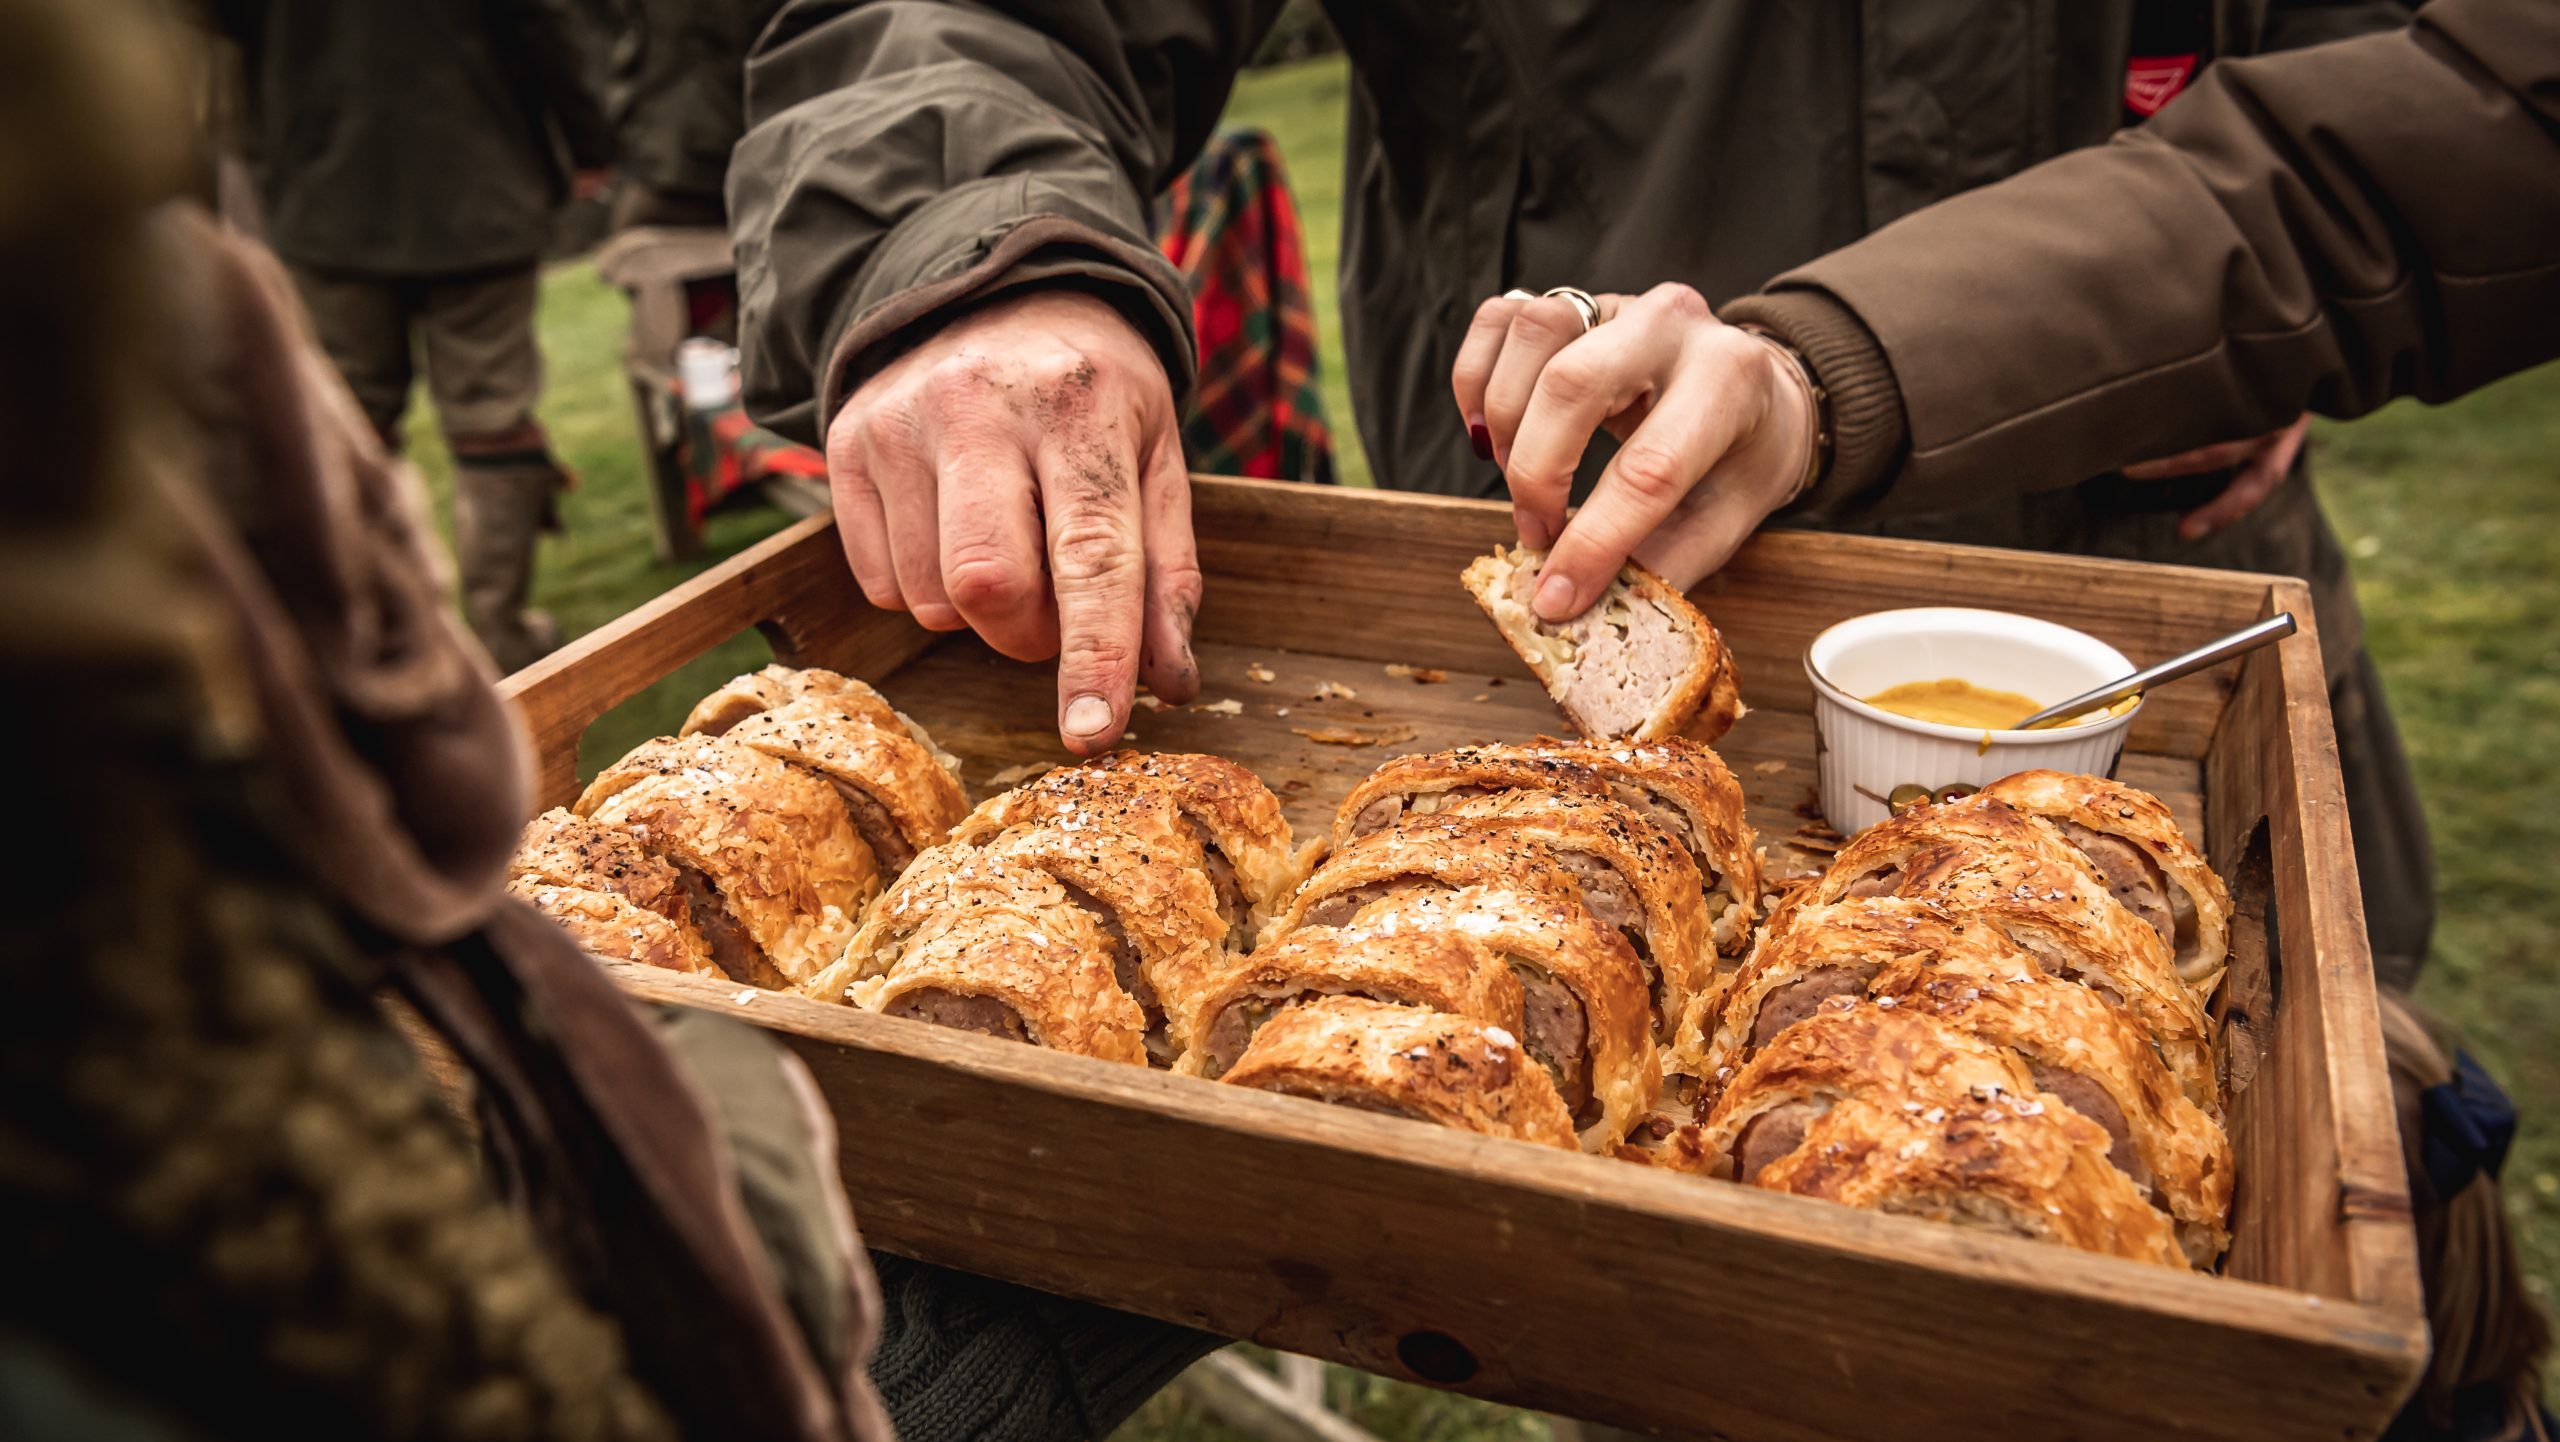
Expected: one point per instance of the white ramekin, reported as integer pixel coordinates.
(1864, 753)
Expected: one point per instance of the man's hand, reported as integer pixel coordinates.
(1020, 473)
(2262, 464)
(1711, 422)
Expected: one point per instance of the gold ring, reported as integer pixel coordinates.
(1582, 303)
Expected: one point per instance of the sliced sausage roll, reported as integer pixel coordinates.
(1152, 896)
(897, 795)
(1037, 970)
(2077, 1046)
(1679, 785)
(1437, 971)
(745, 875)
(1407, 1062)
(1586, 1015)
(1640, 664)
(1995, 865)
(2148, 864)
(1634, 877)
(776, 686)
(715, 771)
(562, 848)
(1424, 782)
(610, 926)
(1252, 858)
(1894, 1110)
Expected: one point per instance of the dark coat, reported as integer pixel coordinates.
(415, 137)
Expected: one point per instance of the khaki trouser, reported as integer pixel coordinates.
(484, 369)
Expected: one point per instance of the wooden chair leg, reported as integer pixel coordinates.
(671, 530)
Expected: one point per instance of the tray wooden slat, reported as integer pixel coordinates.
(1575, 1284)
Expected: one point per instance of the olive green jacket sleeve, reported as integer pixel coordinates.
(2322, 230)
(904, 159)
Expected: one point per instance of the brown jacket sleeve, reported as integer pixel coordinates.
(2322, 230)
(906, 158)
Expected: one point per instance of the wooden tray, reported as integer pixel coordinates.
(1580, 1285)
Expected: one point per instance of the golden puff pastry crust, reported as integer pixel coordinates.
(562, 848)
(1154, 900)
(1894, 1110)
(948, 880)
(1640, 664)
(776, 686)
(1993, 864)
(746, 877)
(1043, 976)
(896, 793)
(1587, 1012)
(2148, 864)
(2077, 1045)
(1252, 858)
(1404, 1061)
(715, 771)
(1633, 876)
(1444, 856)
(611, 926)
(1435, 970)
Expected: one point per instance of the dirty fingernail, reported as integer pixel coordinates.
(1555, 598)
(1480, 438)
(1087, 715)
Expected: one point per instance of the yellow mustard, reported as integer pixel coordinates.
(1952, 702)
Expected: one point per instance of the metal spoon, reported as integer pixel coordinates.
(2211, 653)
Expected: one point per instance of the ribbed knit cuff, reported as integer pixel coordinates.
(1117, 1360)
(1867, 432)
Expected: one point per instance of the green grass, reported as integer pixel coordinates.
(2453, 515)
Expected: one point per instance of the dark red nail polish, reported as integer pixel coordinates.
(1481, 439)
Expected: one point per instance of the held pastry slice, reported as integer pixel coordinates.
(1633, 876)
(1640, 664)
(776, 686)
(1586, 1014)
(835, 860)
(2148, 863)
(1039, 974)
(1442, 971)
(1406, 1062)
(1997, 866)
(1252, 858)
(1893, 1110)
(895, 792)
(1679, 785)
(2077, 1046)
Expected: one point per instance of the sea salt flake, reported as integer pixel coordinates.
(1499, 1037)
(744, 997)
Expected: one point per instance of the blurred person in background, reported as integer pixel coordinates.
(678, 97)
(410, 159)
(941, 226)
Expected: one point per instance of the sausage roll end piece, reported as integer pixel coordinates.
(2132, 840)
(1404, 1061)
(1891, 1110)
(1640, 664)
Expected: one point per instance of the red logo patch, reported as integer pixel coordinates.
(2152, 81)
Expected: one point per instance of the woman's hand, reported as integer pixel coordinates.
(1715, 431)
(1020, 473)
